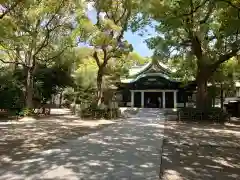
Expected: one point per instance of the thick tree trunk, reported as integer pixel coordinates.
(202, 93)
(29, 89)
(213, 93)
(60, 99)
(221, 96)
(99, 86)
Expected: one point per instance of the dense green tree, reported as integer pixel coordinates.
(85, 79)
(50, 80)
(133, 58)
(11, 94)
(204, 31)
(34, 33)
(106, 35)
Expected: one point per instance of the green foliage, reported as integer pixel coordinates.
(213, 115)
(11, 94)
(86, 72)
(204, 31)
(85, 79)
(228, 72)
(36, 33)
(26, 112)
(97, 113)
(134, 58)
(106, 38)
(189, 30)
(50, 80)
(184, 70)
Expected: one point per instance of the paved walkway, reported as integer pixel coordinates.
(199, 151)
(128, 150)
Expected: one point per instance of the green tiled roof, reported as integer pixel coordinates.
(149, 69)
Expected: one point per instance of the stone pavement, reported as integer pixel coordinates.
(130, 149)
(198, 151)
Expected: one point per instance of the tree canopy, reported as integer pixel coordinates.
(34, 33)
(106, 35)
(205, 32)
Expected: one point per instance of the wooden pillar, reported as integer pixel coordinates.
(132, 98)
(175, 99)
(142, 99)
(163, 100)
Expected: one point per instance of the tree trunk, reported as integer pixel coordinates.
(213, 94)
(202, 93)
(221, 95)
(29, 89)
(60, 99)
(99, 86)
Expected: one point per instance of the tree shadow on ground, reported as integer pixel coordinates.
(21, 139)
(194, 151)
(129, 151)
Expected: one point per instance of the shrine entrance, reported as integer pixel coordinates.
(154, 98)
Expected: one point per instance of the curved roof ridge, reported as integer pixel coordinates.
(131, 80)
(138, 69)
(166, 67)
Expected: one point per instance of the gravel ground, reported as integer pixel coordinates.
(20, 139)
(128, 149)
(200, 152)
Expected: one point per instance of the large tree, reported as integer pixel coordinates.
(106, 34)
(85, 74)
(35, 33)
(204, 31)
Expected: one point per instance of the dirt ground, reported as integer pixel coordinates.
(20, 139)
(201, 151)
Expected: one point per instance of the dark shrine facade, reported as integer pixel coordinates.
(151, 86)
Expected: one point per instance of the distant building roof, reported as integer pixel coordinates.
(135, 70)
(138, 69)
(148, 69)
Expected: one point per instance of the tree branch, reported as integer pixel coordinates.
(46, 39)
(53, 57)
(195, 42)
(209, 12)
(105, 58)
(195, 9)
(185, 43)
(125, 25)
(112, 14)
(197, 49)
(224, 58)
(12, 50)
(121, 17)
(231, 4)
(98, 19)
(95, 55)
(12, 62)
(9, 9)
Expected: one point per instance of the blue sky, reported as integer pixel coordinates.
(138, 42)
(135, 39)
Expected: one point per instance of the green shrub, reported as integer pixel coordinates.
(26, 112)
(215, 115)
(96, 113)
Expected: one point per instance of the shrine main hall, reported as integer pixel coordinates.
(152, 86)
